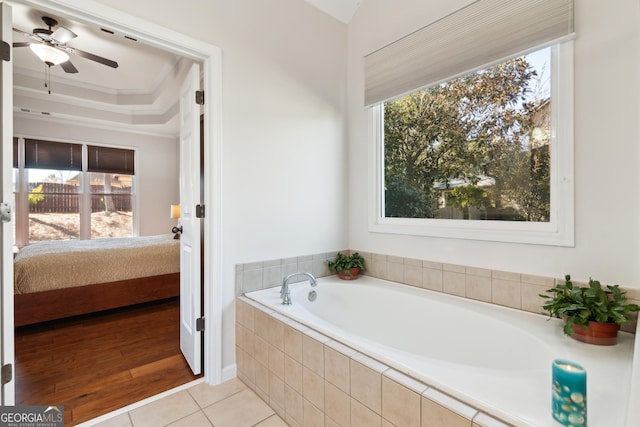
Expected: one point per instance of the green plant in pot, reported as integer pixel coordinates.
(592, 314)
(348, 267)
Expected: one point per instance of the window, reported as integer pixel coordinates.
(473, 151)
(58, 196)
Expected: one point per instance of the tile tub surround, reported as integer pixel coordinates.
(310, 379)
(509, 289)
(492, 358)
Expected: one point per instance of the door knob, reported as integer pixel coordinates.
(177, 230)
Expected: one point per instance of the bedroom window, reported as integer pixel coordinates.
(471, 126)
(67, 191)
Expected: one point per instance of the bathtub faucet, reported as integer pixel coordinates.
(284, 291)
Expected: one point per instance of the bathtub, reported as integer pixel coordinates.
(495, 359)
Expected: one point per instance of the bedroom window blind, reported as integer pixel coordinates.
(40, 154)
(110, 160)
(15, 152)
(483, 33)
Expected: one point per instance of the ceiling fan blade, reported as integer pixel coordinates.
(62, 35)
(68, 67)
(21, 44)
(91, 56)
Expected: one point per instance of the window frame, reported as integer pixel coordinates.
(559, 231)
(21, 194)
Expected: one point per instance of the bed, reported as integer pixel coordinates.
(58, 279)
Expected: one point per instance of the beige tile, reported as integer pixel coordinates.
(336, 368)
(337, 404)
(454, 268)
(439, 409)
(276, 361)
(313, 354)
(531, 299)
(395, 271)
(198, 419)
(366, 386)
(506, 292)
(261, 325)
(361, 416)
(313, 417)
(432, 279)
(293, 374)
(405, 381)
(245, 314)
(475, 271)
(165, 410)
(244, 338)
(240, 410)
(484, 420)
(293, 405)
(246, 368)
(261, 350)
(378, 267)
(275, 335)
(121, 420)
(293, 343)
(432, 265)
(548, 282)
(205, 394)
(272, 421)
(313, 387)
(276, 391)
(454, 283)
(479, 288)
(262, 378)
(328, 422)
(400, 405)
(413, 275)
(386, 423)
(505, 275)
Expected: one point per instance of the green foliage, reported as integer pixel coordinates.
(580, 305)
(344, 263)
(468, 196)
(479, 124)
(402, 200)
(36, 195)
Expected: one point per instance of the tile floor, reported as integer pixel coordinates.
(230, 404)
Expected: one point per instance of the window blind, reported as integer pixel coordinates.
(110, 160)
(15, 152)
(51, 155)
(477, 35)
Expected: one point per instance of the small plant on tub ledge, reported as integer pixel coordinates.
(592, 314)
(348, 267)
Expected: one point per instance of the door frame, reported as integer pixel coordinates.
(210, 56)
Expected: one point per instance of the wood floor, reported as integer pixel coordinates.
(95, 364)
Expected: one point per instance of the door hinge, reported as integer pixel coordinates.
(200, 324)
(6, 373)
(5, 51)
(200, 97)
(199, 211)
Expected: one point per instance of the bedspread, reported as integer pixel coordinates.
(51, 265)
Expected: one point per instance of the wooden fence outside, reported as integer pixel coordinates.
(64, 198)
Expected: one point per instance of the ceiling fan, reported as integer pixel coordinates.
(51, 46)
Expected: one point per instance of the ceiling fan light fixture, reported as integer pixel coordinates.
(49, 54)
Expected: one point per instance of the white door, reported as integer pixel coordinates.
(190, 245)
(6, 227)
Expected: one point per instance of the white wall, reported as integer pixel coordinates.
(607, 177)
(157, 186)
(284, 127)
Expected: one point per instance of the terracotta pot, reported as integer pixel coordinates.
(597, 333)
(355, 272)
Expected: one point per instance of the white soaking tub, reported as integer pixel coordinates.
(495, 359)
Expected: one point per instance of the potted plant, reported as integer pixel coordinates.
(592, 314)
(348, 267)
